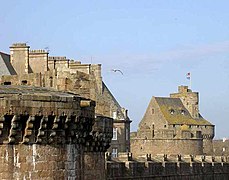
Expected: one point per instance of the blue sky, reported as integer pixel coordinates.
(154, 42)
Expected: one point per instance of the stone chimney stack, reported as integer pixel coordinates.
(96, 68)
(38, 61)
(19, 58)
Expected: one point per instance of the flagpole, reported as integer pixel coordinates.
(188, 76)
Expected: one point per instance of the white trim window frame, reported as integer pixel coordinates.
(115, 134)
(114, 152)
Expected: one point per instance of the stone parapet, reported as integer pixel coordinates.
(48, 134)
(57, 58)
(167, 166)
(37, 51)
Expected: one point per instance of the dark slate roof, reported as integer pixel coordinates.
(175, 104)
(5, 67)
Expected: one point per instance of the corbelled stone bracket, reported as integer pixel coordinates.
(52, 129)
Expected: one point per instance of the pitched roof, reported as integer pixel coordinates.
(6, 67)
(175, 113)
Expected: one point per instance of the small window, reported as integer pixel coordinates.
(152, 111)
(7, 83)
(24, 82)
(172, 111)
(190, 126)
(174, 125)
(114, 115)
(115, 134)
(165, 125)
(51, 81)
(183, 112)
(127, 149)
(224, 149)
(114, 152)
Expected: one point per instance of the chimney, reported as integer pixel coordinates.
(19, 58)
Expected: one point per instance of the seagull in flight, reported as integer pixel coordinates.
(117, 70)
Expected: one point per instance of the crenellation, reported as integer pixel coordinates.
(19, 45)
(52, 58)
(60, 111)
(169, 168)
(64, 74)
(41, 122)
(38, 51)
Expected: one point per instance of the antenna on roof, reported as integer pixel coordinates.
(91, 59)
(47, 49)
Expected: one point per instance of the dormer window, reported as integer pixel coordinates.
(172, 111)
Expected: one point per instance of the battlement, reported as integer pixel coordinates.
(51, 134)
(183, 89)
(19, 45)
(52, 118)
(127, 156)
(58, 58)
(167, 166)
(38, 51)
(72, 61)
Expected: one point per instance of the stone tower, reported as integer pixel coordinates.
(48, 134)
(189, 99)
(191, 102)
(19, 58)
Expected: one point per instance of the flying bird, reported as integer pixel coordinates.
(117, 70)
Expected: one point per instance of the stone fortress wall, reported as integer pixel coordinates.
(62, 139)
(173, 125)
(47, 134)
(166, 146)
(37, 68)
(191, 102)
(221, 147)
(173, 167)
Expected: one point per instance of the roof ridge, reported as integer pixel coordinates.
(4, 53)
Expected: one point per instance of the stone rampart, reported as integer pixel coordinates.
(167, 167)
(48, 134)
(166, 146)
(221, 147)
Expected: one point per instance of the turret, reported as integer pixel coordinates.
(189, 99)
